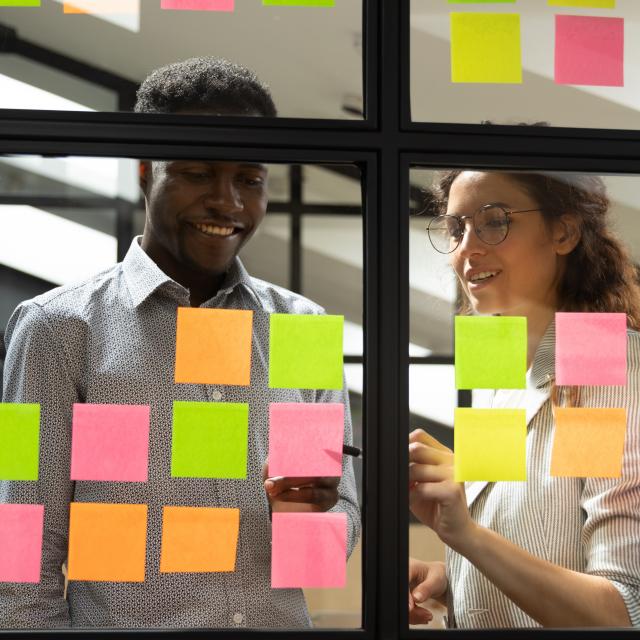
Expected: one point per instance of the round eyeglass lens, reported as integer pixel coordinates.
(492, 224)
(444, 233)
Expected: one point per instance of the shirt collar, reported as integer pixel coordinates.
(542, 370)
(144, 277)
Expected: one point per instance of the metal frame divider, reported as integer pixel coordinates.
(384, 146)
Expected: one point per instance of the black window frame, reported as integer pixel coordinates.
(384, 146)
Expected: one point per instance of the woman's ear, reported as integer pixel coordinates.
(566, 234)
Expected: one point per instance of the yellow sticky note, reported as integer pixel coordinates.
(586, 4)
(490, 444)
(588, 443)
(485, 47)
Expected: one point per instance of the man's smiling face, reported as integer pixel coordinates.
(200, 213)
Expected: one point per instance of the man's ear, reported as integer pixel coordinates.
(144, 175)
(566, 234)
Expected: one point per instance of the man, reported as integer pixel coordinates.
(111, 340)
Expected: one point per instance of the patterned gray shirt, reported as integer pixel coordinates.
(111, 339)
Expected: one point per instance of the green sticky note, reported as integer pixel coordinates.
(490, 445)
(19, 3)
(586, 4)
(19, 441)
(305, 351)
(298, 3)
(490, 352)
(209, 440)
(485, 47)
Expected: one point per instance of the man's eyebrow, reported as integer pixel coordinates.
(253, 165)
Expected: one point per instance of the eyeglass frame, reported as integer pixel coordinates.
(507, 213)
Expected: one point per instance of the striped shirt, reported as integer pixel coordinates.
(111, 339)
(588, 525)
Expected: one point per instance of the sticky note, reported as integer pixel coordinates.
(199, 539)
(19, 3)
(588, 443)
(213, 346)
(209, 440)
(102, 7)
(309, 550)
(305, 439)
(198, 5)
(21, 527)
(589, 51)
(586, 4)
(305, 351)
(19, 441)
(485, 47)
(490, 444)
(482, 1)
(110, 442)
(298, 3)
(107, 542)
(490, 352)
(591, 348)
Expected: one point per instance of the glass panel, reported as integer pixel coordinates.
(537, 459)
(130, 38)
(105, 338)
(528, 62)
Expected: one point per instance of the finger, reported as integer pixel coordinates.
(431, 587)
(446, 492)
(429, 473)
(420, 435)
(428, 455)
(418, 615)
(265, 470)
(281, 484)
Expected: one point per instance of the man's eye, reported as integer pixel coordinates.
(253, 181)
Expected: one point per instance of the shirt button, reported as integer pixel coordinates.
(238, 618)
(217, 396)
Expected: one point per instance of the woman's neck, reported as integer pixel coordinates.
(538, 320)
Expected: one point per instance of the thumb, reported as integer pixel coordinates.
(427, 588)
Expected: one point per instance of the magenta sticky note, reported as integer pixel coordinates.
(110, 442)
(305, 439)
(21, 527)
(309, 550)
(198, 5)
(589, 51)
(591, 348)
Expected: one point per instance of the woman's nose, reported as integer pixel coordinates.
(471, 243)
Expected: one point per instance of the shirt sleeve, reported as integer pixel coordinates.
(612, 506)
(35, 372)
(347, 492)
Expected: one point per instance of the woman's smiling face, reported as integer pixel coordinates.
(520, 274)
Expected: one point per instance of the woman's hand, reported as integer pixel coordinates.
(434, 498)
(426, 580)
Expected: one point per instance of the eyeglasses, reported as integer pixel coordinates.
(491, 224)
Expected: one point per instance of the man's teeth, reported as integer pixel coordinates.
(212, 230)
(483, 276)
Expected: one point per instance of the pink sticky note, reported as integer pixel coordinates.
(305, 439)
(589, 51)
(110, 442)
(591, 348)
(309, 550)
(197, 5)
(21, 528)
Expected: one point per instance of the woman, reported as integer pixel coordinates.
(556, 552)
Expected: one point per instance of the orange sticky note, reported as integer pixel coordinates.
(101, 7)
(213, 346)
(588, 443)
(199, 539)
(107, 542)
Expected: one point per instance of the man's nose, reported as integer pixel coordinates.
(223, 195)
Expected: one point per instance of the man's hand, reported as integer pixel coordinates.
(426, 580)
(300, 494)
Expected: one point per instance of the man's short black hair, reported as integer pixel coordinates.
(207, 84)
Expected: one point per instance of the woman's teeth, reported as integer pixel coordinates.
(213, 230)
(483, 276)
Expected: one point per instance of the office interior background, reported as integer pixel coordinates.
(64, 218)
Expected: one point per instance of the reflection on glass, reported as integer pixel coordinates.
(566, 525)
(143, 506)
